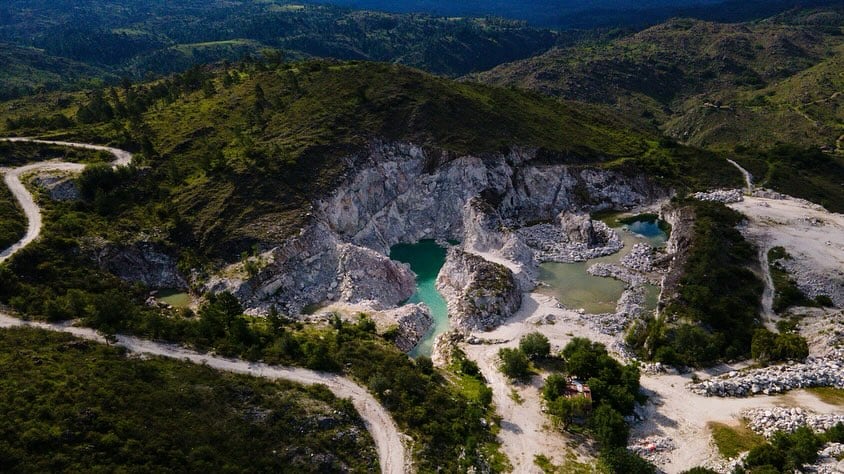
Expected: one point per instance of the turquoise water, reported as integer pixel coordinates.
(575, 288)
(425, 258)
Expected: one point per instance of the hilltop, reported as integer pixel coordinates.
(708, 84)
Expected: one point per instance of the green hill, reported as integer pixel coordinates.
(708, 84)
(233, 150)
(28, 70)
(114, 38)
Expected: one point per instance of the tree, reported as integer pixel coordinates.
(608, 427)
(535, 345)
(514, 364)
(555, 387)
(566, 409)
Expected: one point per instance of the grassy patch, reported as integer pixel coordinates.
(830, 395)
(734, 440)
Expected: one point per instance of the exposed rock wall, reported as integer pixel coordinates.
(480, 294)
(398, 193)
(141, 262)
(314, 267)
(413, 321)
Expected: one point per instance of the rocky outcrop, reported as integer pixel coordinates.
(60, 187)
(480, 294)
(767, 421)
(141, 262)
(814, 372)
(315, 267)
(413, 322)
(573, 238)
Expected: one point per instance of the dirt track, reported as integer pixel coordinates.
(389, 442)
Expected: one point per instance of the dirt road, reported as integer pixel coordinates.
(389, 442)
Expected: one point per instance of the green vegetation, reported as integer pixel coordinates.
(713, 85)
(12, 220)
(535, 345)
(73, 405)
(770, 347)
(13, 154)
(614, 391)
(788, 452)
(234, 149)
(62, 44)
(734, 440)
(444, 421)
(515, 364)
(830, 395)
(718, 296)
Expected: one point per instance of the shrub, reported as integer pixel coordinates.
(620, 460)
(535, 345)
(514, 364)
(769, 347)
(608, 427)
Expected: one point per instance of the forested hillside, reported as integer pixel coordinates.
(709, 84)
(59, 43)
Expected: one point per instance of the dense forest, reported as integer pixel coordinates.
(49, 45)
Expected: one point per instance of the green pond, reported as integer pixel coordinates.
(425, 258)
(575, 288)
(175, 298)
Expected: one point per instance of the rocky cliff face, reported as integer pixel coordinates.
(397, 194)
(313, 267)
(141, 262)
(480, 294)
(412, 322)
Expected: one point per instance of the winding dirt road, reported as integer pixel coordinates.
(389, 442)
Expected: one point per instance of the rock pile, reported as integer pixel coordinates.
(828, 461)
(767, 421)
(825, 371)
(725, 196)
(813, 284)
(567, 242)
(653, 448)
(640, 258)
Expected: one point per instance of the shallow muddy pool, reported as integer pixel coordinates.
(575, 288)
(425, 258)
(175, 298)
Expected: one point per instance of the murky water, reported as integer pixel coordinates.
(425, 258)
(575, 288)
(175, 298)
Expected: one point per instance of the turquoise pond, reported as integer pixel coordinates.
(425, 258)
(569, 282)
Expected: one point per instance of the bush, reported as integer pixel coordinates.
(786, 452)
(620, 460)
(769, 347)
(514, 364)
(611, 382)
(608, 427)
(535, 345)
